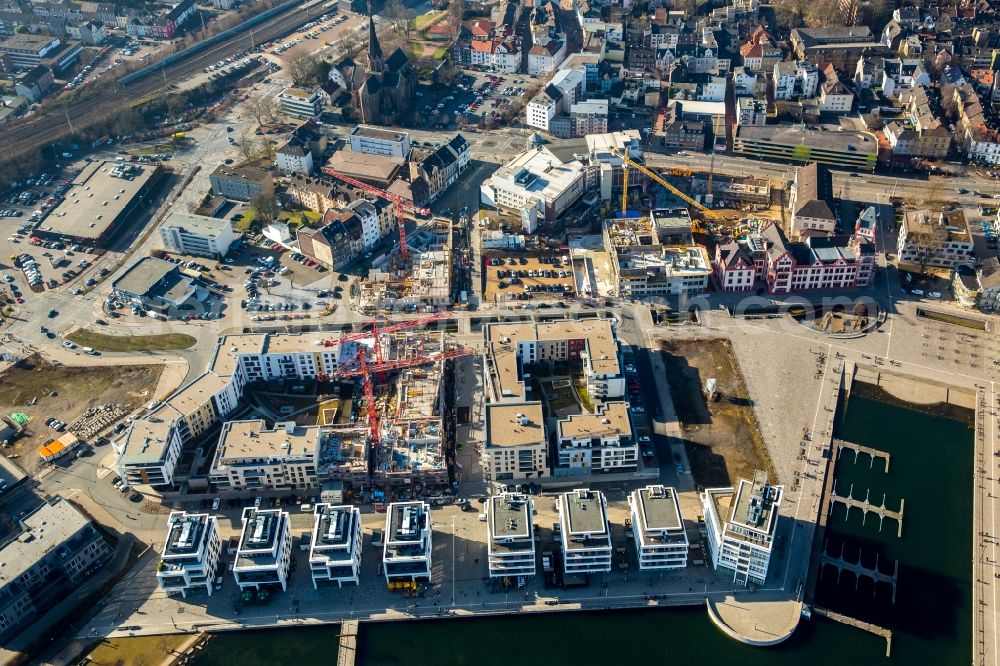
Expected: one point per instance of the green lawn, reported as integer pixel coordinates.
(130, 343)
(244, 223)
(425, 21)
(440, 52)
(147, 650)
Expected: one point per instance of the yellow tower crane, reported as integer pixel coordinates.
(627, 163)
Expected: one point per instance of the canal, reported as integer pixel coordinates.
(931, 467)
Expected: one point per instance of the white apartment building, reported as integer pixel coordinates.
(596, 443)
(406, 553)
(190, 553)
(589, 117)
(294, 158)
(265, 549)
(335, 549)
(250, 456)
(511, 544)
(944, 241)
(540, 111)
(372, 228)
(298, 103)
(536, 184)
(658, 528)
(584, 532)
(379, 141)
(513, 348)
(147, 452)
(741, 524)
(516, 446)
(198, 235)
(661, 271)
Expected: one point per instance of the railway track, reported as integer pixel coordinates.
(53, 126)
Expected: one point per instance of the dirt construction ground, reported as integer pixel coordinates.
(75, 389)
(722, 438)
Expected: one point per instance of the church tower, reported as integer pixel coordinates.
(376, 60)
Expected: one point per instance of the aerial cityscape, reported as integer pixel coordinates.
(397, 331)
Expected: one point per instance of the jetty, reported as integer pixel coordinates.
(860, 570)
(347, 650)
(867, 507)
(858, 449)
(860, 624)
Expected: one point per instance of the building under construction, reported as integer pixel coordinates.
(419, 282)
(733, 189)
(401, 378)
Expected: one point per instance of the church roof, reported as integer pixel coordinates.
(397, 61)
(374, 48)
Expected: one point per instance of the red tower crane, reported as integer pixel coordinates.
(392, 328)
(402, 205)
(364, 369)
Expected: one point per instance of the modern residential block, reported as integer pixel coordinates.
(190, 553)
(406, 554)
(511, 543)
(741, 524)
(265, 549)
(335, 549)
(584, 531)
(658, 528)
(186, 233)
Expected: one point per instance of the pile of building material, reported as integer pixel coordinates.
(96, 419)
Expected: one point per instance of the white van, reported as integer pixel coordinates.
(305, 508)
(90, 350)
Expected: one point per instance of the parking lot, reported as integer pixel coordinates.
(472, 98)
(545, 278)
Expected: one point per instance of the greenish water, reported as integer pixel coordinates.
(931, 615)
(931, 468)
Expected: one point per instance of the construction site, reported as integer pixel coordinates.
(418, 280)
(399, 434)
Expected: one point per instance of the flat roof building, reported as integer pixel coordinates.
(299, 103)
(584, 531)
(56, 548)
(797, 143)
(406, 553)
(601, 442)
(335, 549)
(658, 528)
(190, 553)
(241, 183)
(186, 233)
(265, 549)
(511, 539)
(148, 451)
(380, 141)
(516, 446)
(512, 350)
(101, 199)
(160, 286)
(741, 524)
(251, 456)
(536, 184)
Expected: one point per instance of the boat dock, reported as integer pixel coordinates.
(854, 622)
(858, 449)
(868, 507)
(347, 650)
(860, 570)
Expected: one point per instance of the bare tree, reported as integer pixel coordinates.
(456, 12)
(304, 69)
(790, 13)
(260, 109)
(400, 16)
(266, 207)
(249, 149)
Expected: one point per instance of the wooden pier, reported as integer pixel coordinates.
(867, 507)
(854, 622)
(858, 449)
(347, 651)
(860, 570)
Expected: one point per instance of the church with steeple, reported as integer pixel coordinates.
(383, 90)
